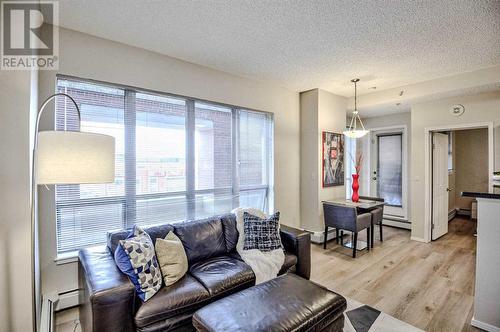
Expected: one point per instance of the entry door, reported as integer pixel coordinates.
(439, 185)
(387, 171)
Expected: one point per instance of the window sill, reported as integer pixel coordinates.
(66, 258)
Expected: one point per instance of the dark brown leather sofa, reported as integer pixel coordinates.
(215, 271)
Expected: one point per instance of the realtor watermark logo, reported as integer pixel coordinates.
(24, 45)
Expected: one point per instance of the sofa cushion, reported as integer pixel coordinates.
(230, 231)
(202, 239)
(186, 295)
(154, 232)
(289, 263)
(223, 274)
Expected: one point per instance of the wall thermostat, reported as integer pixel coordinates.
(457, 110)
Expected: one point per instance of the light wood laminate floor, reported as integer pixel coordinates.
(428, 285)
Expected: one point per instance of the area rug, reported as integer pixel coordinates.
(360, 317)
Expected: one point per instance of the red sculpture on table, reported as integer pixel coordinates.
(355, 188)
(355, 178)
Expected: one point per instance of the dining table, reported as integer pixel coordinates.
(363, 205)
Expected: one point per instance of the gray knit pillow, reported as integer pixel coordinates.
(262, 234)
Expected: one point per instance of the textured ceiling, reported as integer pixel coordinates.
(306, 44)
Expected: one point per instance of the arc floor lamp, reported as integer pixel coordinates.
(64, 157)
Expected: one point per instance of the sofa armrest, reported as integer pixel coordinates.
(298, 243)
(107, 295)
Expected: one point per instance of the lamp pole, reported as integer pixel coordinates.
(35, 278)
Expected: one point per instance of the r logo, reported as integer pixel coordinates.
(23, 39)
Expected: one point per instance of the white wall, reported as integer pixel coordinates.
(309, 161)
(17, 107)
(320, 111)
(479, 108)
(90, 57)
(332, 118)
(471, 164)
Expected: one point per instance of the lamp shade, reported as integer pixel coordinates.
(355, 133)
(69, 157)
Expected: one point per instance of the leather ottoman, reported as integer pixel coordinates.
(286, 303)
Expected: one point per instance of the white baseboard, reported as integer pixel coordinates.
(419, 239)
(484, 326)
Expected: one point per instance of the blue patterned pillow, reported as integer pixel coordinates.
(135, 256)
(261, 234)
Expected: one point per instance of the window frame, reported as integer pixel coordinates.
(129, 199)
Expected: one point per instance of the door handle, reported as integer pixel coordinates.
(374, 178)
(448, 189)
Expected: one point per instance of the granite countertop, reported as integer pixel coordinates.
(494, 193)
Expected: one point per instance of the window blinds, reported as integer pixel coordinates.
(177, 159)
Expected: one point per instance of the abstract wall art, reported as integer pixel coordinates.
(333, 159)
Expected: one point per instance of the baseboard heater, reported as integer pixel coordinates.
(319, 237)
(464, 212)
(452, 214)
(393, 221)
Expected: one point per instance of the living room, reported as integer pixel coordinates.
(216, 105)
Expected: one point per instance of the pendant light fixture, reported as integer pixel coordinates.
(354, 131)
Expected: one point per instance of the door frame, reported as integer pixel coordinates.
(404, 222)
(428, 165)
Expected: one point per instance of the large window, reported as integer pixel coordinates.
(176, 159)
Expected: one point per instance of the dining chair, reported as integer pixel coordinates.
(377, 217)
(346, 218)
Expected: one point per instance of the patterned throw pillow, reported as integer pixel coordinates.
(135, 256)
(262, 234)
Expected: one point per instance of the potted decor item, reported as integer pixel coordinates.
(355, 178)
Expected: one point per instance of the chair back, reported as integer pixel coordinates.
(369, 198)
(378, 213)
(338, 216)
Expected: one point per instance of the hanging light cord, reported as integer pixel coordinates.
(356, 96)
(355, 112)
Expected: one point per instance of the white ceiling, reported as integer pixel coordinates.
(306, 44)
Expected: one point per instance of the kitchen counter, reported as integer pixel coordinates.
(487, 289)
(492, 193)
(480, 195)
